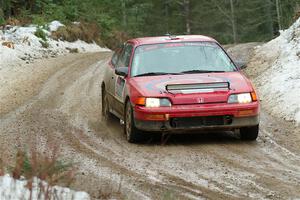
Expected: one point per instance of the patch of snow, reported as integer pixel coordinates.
(17, 189)
(53, 26)
(279, 85)
(80, 45)
(28, 47)
(76, 23)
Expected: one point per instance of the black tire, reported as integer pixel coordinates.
(249, 133)
(105, 107)
(133, 135)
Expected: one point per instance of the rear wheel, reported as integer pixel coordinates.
(249, 133)
(133, 135)
(105, 107)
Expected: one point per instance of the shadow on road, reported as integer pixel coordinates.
(186, 138)
(193, 138)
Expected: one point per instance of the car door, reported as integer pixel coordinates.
(120, 81)
(110, 79)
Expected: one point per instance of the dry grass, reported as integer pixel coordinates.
(116, 39)
(88, 32)
(108, 191)
(13, 22)
(46, 168)
(3, 157)
(1, 168)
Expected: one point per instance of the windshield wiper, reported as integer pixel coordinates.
(157, 74)
(195, 71)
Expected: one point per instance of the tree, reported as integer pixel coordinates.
(124, 13)
(233, 23)
(278, 14)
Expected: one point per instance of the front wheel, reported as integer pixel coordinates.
(249, 133)
(105, 107)
(133, 135)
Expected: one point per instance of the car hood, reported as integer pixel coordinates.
(188, 88)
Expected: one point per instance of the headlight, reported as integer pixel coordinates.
(240, 98)
(157, 102)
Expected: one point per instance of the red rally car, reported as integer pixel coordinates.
(178, 83)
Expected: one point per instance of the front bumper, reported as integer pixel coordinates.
(166, 125)
(162, 119)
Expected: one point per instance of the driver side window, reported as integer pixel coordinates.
(124, 59)
(115, 57)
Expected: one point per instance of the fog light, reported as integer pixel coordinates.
(155, 117)
(244, 113)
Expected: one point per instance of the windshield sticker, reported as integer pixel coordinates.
(146, 48)
(174, 45)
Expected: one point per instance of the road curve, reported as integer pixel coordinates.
(65, 109)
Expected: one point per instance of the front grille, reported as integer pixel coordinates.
(194, 122)
(198, 87)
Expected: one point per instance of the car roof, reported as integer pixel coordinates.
(168, 39)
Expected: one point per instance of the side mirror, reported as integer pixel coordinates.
(241, 64)
(121, 71)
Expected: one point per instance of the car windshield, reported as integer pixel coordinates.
(180, 58)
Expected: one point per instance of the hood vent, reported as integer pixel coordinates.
(198, 87)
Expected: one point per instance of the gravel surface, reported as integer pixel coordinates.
(62, 105)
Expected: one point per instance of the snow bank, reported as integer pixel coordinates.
(27, 46)
(11, 189)
(53, 26)
(279, 85)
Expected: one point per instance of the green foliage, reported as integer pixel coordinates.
(39, 20)
(2, 20)
(168, 195)
(44, 44)
(41, 34)
(70, 11)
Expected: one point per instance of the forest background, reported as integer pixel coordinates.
(112, 21)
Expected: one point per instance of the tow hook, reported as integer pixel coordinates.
(163, 128)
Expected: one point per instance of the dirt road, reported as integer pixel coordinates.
(62, 105)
